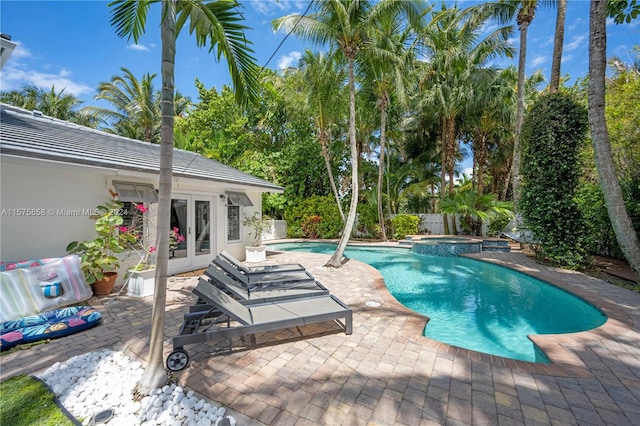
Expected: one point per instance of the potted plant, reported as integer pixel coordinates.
(141, 276)
(256, 252)
(97, 256)
(140, 279)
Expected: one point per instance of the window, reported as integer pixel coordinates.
(136, 192)
(239, 199)
(235, 200)
(233, 223)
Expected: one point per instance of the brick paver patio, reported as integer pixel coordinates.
(386, 372)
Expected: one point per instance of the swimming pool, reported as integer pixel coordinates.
(472, 304)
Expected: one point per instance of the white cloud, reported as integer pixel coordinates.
(576, 43)
(290, 60)
(138, 47)
(538, 60)
(548, 42)
(268, 7)
(17, 74)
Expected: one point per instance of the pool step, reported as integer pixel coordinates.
(491, 245)
(496, 246)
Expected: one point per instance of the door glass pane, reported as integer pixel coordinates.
(179, 230)
(203, 224)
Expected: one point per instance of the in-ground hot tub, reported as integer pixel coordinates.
(446, 246)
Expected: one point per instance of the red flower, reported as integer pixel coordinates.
(141, 208)
(123, 229)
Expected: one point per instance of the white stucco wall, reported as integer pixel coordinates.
(45, 206)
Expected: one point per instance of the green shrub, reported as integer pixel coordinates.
(311, 226)
(367, 223)
(552, 133)
(600, 238)
(323, 206)
(405, 224)
(497, 225)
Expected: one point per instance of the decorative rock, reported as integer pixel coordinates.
(95, 381)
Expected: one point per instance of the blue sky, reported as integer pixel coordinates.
(71, 45)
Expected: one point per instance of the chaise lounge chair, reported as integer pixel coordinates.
(270, 293)
(261, 278)
(200, 327)
(287, 267)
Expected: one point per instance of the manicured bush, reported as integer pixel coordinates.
(552, 133)
(405, 224)
(297, 216)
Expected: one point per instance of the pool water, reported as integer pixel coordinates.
(472, 304)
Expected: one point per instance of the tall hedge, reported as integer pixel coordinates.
(552, 133)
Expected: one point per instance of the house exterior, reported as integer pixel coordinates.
(54, 173)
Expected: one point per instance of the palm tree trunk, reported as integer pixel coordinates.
(622, 226)
(324, 145)
(336, 259)
(443, 172)
(557, 46)
(154, 375)
(481, 157)
(515, 166)
(383, 128)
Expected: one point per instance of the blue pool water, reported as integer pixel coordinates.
(473, 304)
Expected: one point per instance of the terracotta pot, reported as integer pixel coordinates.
(105, 285)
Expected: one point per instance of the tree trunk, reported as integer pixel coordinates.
(480, 153)
(622, 226)
(443, 172)
(557, 46)
(383, 125)
(323, 137)
(336, 259)
(154, 375)
(515, 166)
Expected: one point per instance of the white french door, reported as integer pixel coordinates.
(192, 241)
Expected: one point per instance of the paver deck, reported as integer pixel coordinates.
(386, 372)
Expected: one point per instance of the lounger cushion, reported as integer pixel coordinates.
(48, 325)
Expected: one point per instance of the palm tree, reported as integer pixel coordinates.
(345, 25)
(475, 208)
(136, 109)
(489, 117)
(51, 103)
(324, 82)
(618, 214)
(456, 61)
(215, 24)
(384, 74)
(136, 106)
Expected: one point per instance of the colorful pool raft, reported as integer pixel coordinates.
(48, 325)
(35, 299)
(30, 287)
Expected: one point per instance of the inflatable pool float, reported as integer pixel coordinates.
(48, 325)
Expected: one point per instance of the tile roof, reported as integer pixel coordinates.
(29, 134)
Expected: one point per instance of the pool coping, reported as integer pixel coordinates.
(564, 362)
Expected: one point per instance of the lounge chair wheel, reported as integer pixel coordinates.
(177, 360)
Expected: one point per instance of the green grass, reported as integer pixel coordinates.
(26, 401)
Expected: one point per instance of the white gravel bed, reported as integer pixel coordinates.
(96, 381)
